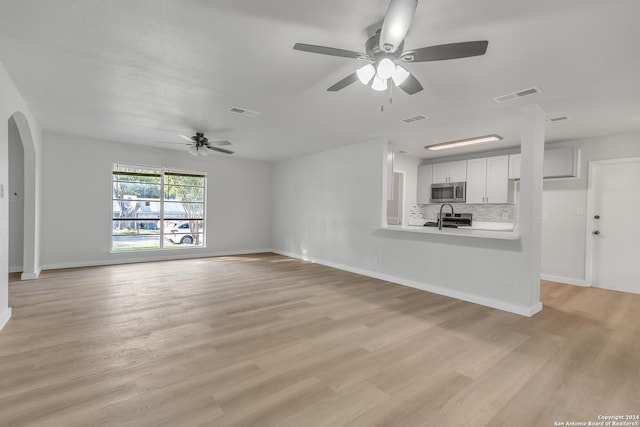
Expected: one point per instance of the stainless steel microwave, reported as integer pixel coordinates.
(449, 192)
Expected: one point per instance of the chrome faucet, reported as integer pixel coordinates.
(440, 216)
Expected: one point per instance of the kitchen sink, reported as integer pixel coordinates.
(435, 224)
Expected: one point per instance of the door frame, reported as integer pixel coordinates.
(592, 166)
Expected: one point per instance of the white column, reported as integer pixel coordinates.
(530, 216)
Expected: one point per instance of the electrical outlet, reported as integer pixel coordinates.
(375, 260)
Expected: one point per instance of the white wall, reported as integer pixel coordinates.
(13, 105)
(77, 201)
(327, 204)
(409, 166)
(563, 229)
(16, 198)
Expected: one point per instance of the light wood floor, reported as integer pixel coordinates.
(266, 340)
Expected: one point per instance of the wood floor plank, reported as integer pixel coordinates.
(266, 340)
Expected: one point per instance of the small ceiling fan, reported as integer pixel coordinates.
(385, 50)
(199, 144)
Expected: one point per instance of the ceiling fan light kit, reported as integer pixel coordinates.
(386, 47)
(195, 151)
(366, 73)
(399, 75)
(379, 84)
(385, 68)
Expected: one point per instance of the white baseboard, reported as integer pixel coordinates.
(31, 276)
(464, 296)
(4, 317)
(171, 257)
(567, 280)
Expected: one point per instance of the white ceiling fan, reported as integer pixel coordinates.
(385, 50)
(200, 145)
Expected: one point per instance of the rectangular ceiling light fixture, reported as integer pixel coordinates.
(464, 142)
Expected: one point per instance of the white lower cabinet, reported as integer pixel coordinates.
(488, 180)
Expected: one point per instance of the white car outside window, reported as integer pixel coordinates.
(179, 232)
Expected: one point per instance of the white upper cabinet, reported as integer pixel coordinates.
(488, 180)
(476, 180)
(425, 179)
(450, 172)
(558, 163)
(497, 179)
(458, 171)
(514, 166)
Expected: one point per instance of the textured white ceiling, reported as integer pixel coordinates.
(144, 71)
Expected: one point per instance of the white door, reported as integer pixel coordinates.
(615, 203)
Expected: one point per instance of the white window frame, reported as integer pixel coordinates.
(162, 172)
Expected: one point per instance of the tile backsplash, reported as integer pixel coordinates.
(485, 213)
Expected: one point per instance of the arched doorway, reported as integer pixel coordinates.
(26, 203)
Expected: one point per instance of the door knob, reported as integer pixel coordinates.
(596, 232)
(597, 217)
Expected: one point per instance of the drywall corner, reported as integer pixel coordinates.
(4, 317)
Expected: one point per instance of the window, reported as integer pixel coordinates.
(142, 219)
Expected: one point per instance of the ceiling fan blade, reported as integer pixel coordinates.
(218, 143)
(331, 51)
(351, 78)
(446, 51)
(396, 23)
(411, 85)
(222, 150)
(186, 138)
(168, 142)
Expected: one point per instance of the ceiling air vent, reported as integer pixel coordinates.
(517, 95)
(244, 112)
(414, 118)
(558, 118)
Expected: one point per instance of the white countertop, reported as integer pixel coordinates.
(489, 230)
